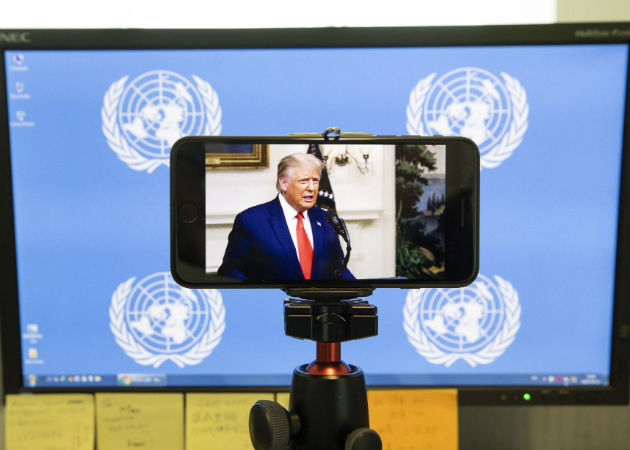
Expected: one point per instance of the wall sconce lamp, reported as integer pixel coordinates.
(342, 155)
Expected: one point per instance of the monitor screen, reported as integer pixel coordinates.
(89, 133)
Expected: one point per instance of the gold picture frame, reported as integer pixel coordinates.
(258, 158)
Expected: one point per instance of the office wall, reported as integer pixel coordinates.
(270, 13)
(592, 10)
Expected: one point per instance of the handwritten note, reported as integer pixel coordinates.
(49, 421)
(218, 421)
(140, 421)
(415, 419)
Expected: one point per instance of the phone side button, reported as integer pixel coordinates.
(188, 213)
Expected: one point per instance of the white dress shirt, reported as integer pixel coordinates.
(290, 216)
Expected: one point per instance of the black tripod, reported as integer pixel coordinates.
(328, 401)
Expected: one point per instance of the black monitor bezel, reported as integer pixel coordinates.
(442, 36)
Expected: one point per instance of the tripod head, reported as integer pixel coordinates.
(328, 403)
(330, 321)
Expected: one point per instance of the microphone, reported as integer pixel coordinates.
(339, 225)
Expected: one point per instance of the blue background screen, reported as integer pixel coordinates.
(87, 222)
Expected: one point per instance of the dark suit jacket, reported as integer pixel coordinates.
(260, 247)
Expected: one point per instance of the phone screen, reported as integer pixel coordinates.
(291, 212)
(392, 199)
(276, 212)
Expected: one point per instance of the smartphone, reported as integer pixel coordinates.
(313, 212)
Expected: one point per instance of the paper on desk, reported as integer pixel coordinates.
(283, 398)
(49, 421)
(220, 421)
(419, 419)
(140, 421)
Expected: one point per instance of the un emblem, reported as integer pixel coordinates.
(142, 119)
(474, 103)
(475, 323)
(155, 320)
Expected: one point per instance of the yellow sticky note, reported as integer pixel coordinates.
(140, 421)
(415, 419)
(218, 421)
(49, 421)
(283, 399)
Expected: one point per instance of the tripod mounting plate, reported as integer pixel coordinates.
(330, 321)
(329, 294)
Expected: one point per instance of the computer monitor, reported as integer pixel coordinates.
(88, 121)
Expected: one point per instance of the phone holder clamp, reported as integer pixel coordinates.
(333, 134)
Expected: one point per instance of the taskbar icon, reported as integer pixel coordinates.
(141, 379)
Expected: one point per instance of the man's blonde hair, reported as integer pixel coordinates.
(286, 165)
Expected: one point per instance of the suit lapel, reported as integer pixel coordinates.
(318, 242)
(281, 231)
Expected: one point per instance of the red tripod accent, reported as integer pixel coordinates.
(328, 360)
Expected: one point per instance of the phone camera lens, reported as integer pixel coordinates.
(188, 212)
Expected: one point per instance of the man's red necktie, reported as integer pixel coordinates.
(304, 248)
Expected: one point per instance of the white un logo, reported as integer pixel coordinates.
(475, 323)
(474, 103)
(155, 320)
(142, 119)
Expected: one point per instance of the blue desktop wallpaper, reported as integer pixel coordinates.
(91, 199)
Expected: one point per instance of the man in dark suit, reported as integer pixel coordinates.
(289, 237)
